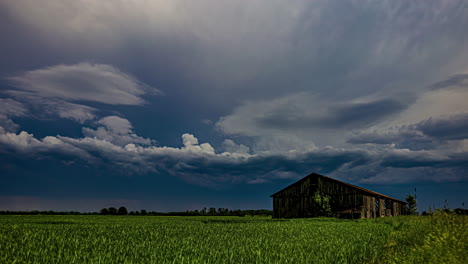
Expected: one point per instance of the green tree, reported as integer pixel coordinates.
(212, 211)
(411, 205)
(320, 206)
(112, 210)
(122, 211)
(104, 211)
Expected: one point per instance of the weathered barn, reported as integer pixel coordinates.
(347, 200)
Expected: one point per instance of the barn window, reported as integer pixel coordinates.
(377, 205)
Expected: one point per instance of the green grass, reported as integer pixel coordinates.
(121, 239)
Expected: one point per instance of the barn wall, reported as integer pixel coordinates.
(343, 196)
(295, 201)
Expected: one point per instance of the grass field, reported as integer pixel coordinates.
(125, 239)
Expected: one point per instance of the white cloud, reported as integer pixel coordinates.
(318, 69)
(200, 164)
(231, 147)
(189, 140)
(54, 91)
(76, 112)
(84, 82)
(116, 130)
(10, 108)
(117, 124)
(45, 108)
(191, 145)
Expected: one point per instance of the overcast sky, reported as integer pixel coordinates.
(176, 105)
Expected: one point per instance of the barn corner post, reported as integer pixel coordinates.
(346, 200)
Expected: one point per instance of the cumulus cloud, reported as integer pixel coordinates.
(200, 164)
(83, 82)
(320, 71)
(116, 130)
(230, 146)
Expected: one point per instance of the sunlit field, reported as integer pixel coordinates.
(155, 239)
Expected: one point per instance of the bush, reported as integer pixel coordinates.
(320, 206)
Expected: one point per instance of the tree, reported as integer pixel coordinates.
(112, 210)
(104, 211)
(212, 211)
(320, 206)
(411, 205)
(122, 211)
(143, 212)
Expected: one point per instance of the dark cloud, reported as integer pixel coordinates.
(199, 164)
(305, 113)
(362, 114)
(450, 128)
(456, 81)
(426, 134)
(264, 49)
(285, 79)
(400, 137)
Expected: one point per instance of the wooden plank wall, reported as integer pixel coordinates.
(343, 196)
(295, 200)
(386, 207)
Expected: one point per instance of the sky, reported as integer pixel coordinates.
(179, 105)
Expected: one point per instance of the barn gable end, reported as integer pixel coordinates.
(347, 200)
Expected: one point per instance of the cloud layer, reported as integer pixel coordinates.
(364, 91)
(83, 82)
(64, 90)
(200, 164)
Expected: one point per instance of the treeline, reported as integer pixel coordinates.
(50, 212)
(123, 211)
(204, 212)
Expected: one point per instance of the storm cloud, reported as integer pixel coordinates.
(199, 163)
(429, 133)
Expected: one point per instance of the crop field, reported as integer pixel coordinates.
(155, 239)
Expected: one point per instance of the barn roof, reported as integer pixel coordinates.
(348, 184)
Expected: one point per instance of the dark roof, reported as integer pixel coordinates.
(351, 185)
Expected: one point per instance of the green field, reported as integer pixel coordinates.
(152, 239)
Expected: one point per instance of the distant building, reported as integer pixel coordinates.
(347, 200)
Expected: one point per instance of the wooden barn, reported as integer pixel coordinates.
(347, 200)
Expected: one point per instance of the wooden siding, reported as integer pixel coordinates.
(347, 201)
